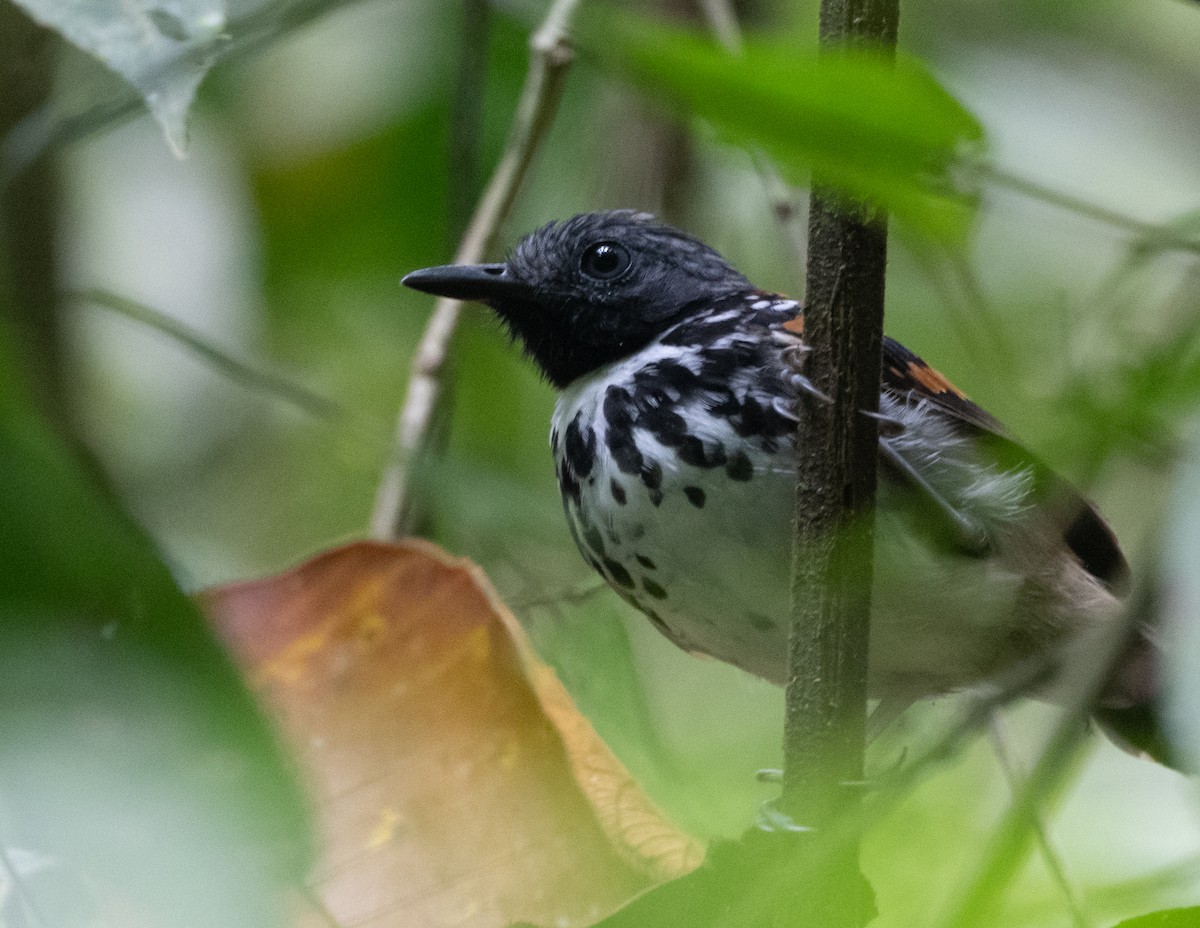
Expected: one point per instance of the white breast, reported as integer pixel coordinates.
(707, 557)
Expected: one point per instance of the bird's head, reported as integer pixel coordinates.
(592, 289)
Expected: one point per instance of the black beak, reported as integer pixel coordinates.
(483, 282)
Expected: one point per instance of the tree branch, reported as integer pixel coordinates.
(835, 496)
(550, 57)
(466, 116)
(29, 215)
(1054, 862)
(1085, 675)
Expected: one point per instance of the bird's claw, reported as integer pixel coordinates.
(802, 384)
(889, 427)
(771, 819)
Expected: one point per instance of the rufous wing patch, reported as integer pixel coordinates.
(932, 380)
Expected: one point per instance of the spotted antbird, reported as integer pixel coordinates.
(674, 444)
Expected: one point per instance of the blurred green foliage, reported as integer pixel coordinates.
(132, 750)
(877, 128)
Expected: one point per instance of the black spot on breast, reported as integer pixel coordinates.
(656, 496)
(618, 573)
(618, 435)
(554, 441)
(668, 426)
(579, 445)
(653, 588)
(758, 419)
(724, 404)
(760, 622)
(591, 536)
(618, 491)
(749, 419)
(668, 375)
(738, 467)
(720, 364)
(652, 475)
(568, 485)
(702, 330)
(695, 496)
(645, 562)
(693, 452)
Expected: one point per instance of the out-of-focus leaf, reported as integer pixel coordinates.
(1185, 226)
(1180, 604)
(370, 210)
(881, 130)
(163, 48)
(753, 881)
(132, 754)
(455, 779)
(1168, 918)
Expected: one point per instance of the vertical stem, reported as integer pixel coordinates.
(29, 213)
(835, 497)
(466, 116)
(550, 58)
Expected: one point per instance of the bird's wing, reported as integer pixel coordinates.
(1084, 531)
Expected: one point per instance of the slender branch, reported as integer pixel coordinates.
(1085, 676)
(550, 57)
(30, 215)
(834, 507)
(1054, 863)
(466, 115)
(723, 21)
(574, 596)
(1160, 236)
(810, 860)
(239, 371)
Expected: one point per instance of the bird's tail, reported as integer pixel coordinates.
(1130, 710)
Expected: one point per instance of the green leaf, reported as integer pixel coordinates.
(133, 754)
(753, 881)
(163, 48)
(880, 130)
(1167, 918)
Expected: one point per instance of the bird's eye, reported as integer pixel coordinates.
(605, 261)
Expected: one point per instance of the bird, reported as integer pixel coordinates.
(680, 384)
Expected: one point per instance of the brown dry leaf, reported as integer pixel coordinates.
(455, 781)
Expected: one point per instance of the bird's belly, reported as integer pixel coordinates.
(707, 559)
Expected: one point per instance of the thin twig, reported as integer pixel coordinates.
(245, 373)
(572, 596)
(1159, 236)
(466, 116)
(890, 791)
(1054, 862)
(550, 57)
(1085, 676)
(723, 21)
